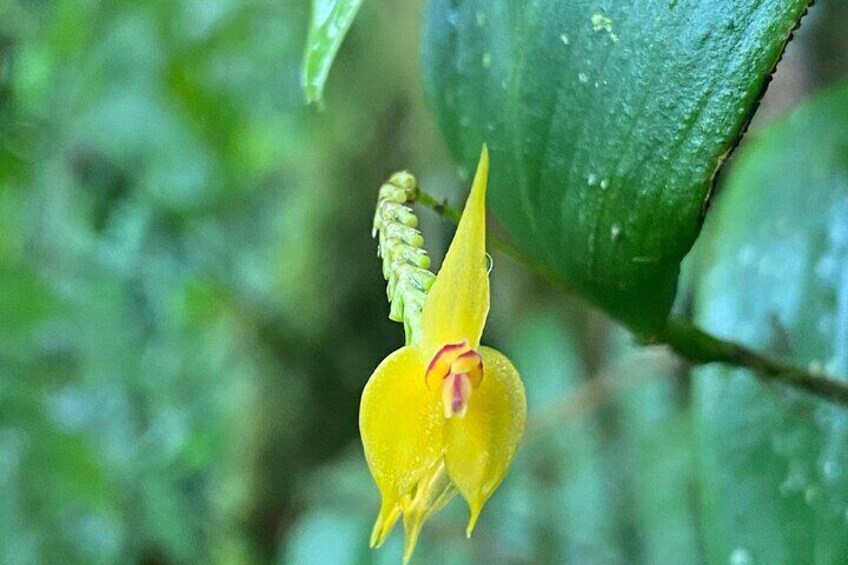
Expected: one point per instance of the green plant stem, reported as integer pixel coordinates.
(689, 342)
(699, 347)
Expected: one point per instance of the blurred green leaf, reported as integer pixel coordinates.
(331, 20)
(605, 122)
(773, 274)
(565, 473)
(327, 537)
(128, 347)
(656, 450)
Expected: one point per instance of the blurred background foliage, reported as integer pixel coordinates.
(190, 304)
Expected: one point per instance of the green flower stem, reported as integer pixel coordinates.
(688, 341)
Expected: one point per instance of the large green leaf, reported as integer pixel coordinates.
(773, 274)
(330, 21)
(606, 122)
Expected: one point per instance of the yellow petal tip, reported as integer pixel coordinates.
(412, 529)
(389, 514)
(376, 534)
(481, 177)
(472, 521)
(407, 554)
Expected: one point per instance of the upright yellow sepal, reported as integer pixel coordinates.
(444, 415)
(458, 302)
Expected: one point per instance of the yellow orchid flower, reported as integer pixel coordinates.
(443, 413)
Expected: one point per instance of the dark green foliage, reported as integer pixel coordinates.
(606, 123)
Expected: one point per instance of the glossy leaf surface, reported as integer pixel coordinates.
(605, 122)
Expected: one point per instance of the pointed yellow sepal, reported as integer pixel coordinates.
(458, 302)
(401, 424)
(480, 447)
(444, 415)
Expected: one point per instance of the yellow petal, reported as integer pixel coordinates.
(433, 492)
(402, 429)
(389, 513)
(458, 302)
(481, 446)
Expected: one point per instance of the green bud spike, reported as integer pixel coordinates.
(401, 246)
